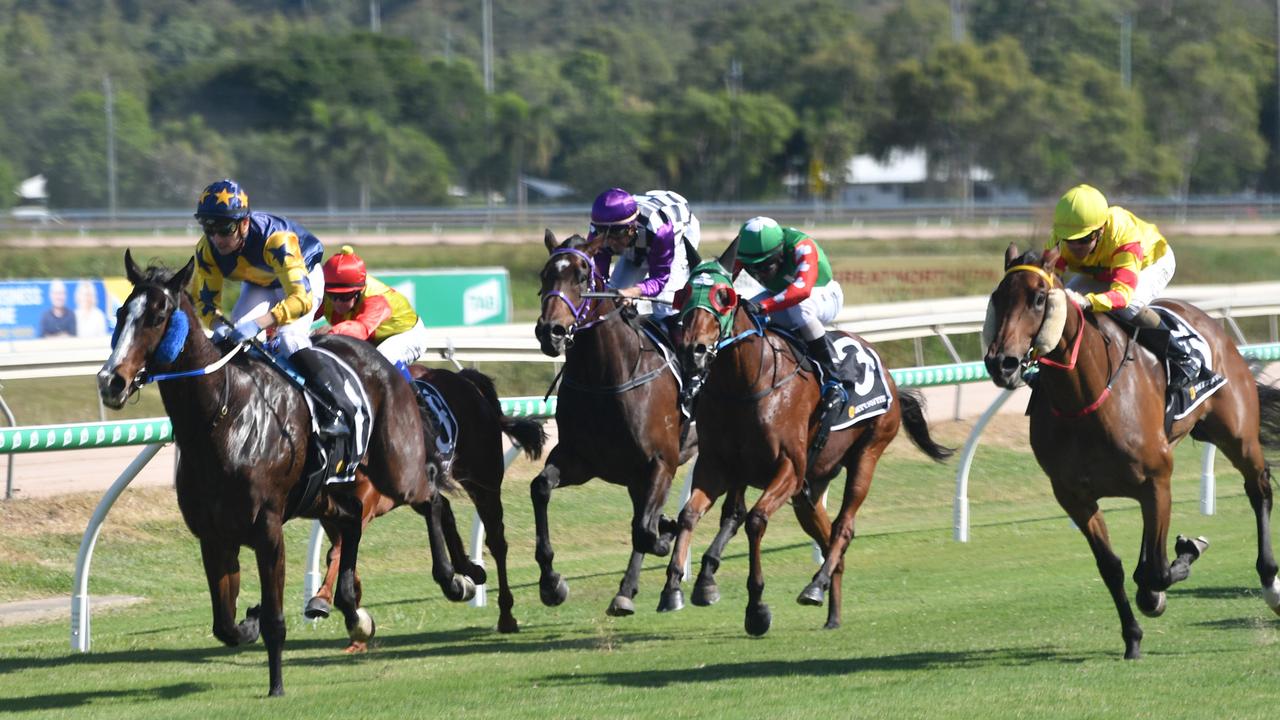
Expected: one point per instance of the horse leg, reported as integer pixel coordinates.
(222, 569)
(456, 587)
(348, 511)
(319, 605)
(814, 520)
(672, 597)
(269, 549)
(783, 486)
(457, 547)
(489, 506)
(647, 534)
(1088, 517)
(372, 505)
(623, 604)
(560, 469)
(705, 590)
(1245, 453)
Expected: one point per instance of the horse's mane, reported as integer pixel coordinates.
(158, 273)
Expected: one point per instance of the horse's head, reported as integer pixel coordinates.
(1025, 316)
(569, 272)
(707, 305)
(146, 329)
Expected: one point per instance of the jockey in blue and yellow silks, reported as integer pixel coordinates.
(278, 262)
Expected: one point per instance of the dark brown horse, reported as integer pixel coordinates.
(616, 413)
(243, 430)
(758, 414)
(477, 466)
(1097, 425)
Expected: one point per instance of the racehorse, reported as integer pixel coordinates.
(1098, 430)
(477, 466)
(759, 414)
(242, 431)
(616, 412)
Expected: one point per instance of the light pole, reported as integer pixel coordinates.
(111, 146)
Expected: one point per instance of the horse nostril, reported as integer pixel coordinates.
(559, 331)
(1009, 364)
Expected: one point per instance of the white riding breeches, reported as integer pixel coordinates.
(407, 346)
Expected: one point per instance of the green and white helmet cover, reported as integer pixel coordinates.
(759, 239)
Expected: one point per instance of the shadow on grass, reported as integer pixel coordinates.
(1219, 593)
(65, 700)
(817, 668)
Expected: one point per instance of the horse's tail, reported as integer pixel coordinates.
(528, 434)
(913, 417)
(1269, 416)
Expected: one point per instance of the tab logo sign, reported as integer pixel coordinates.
(481, 302)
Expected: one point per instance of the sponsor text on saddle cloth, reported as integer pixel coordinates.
(1178, 404)
(443, 422)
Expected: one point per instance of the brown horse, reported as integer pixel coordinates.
(477, 466)
(1097, 425)
(243, 430)
(758, 414)
(616, 413)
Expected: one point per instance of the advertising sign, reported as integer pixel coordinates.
(38, 309)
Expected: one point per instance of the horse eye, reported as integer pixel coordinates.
(1040, 296)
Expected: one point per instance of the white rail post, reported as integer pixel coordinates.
(1208, 501)
(961, 510)
(80, 609)
(311, 580)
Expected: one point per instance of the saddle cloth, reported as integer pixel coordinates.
(1179, 404)
(444, 424)
(361, 424)
(863, 375)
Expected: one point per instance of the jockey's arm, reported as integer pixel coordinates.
(282, 254)
(1125, 264)
(206, 285)
(662, 252)
(373, 312)
(806, 260)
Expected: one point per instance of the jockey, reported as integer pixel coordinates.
(800, 292)
(1113, 262)
(363, 307)
(646, 232)
(278, 262)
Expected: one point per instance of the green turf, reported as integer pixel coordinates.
(1015, 623)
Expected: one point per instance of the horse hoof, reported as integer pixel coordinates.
(621, 606)
(758, 620)
(553, 590)
(671, 601)
(508, 625)
(1190, 546)
(317, 608)
(1132, 651)
(1271, 593)
(662, 546)
(812, 596)
(468, 588)
(1152, 604)
(363, 629)
(356, 648)
(476, 573)
(831, 625)
(705, 594)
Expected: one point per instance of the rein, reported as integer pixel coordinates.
(756, 329)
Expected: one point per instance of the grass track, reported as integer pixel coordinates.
(1015, 623)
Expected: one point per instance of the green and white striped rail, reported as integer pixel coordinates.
(77, 436)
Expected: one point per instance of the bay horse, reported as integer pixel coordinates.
(617, 412)
(243, 431)
(1098, 430)
(759, 414)
(477, 466)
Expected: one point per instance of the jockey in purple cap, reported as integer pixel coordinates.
(646, 232)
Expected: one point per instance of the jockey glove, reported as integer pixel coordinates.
(243, 331)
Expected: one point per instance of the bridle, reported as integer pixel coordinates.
(587, 306)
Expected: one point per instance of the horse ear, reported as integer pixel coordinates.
(1011, 255)
(131, 269)
(549, 239)
(730, 256)
(691, 254)
(182, 279)
(1050, 258)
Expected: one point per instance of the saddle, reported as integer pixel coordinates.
(1188, 363)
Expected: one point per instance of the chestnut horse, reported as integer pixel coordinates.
(616, 413)
(242, 431)
(758, 414)
(1097, 425)
(477, 466)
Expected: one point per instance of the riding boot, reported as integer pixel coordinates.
(823, 352)
(332, 407)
